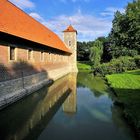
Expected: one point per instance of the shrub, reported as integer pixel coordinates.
(137, 60)
(119, 65)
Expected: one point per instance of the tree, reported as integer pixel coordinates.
(83, 50)
(125, 33)
(96, 53)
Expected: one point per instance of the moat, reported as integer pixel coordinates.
(75, 107)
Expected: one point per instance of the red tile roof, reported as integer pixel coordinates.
(70, 29)
(16, 22)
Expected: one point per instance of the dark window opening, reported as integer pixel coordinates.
(42, 56)
(29, 54)
(12, 53)
(69, 43)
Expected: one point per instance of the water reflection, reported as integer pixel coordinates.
(27, 118)
(46, 114)
(69, 106)
(95, 84)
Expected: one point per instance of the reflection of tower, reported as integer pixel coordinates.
(70, 39)
(69, 106)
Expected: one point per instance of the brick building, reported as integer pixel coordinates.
(22, 38)
(27, 48)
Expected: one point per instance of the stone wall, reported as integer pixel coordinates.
(70, 39)
(38, 110)
(13, 90)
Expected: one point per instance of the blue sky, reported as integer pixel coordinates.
(91, 18)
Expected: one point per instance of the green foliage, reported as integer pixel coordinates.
(83, 66)
(137, 60)
(127, 88)
(95, 84)
(117, 52)
(119, 65)
(96, 53)
(125, 32)
(83, 50)
(123, 40)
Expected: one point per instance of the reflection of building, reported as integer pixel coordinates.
(43, 106)
(69, 106)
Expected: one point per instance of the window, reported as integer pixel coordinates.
(49, 56)
(12, 53)
(42, 56)
(69, 43)
(29, 54)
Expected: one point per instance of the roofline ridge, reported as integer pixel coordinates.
(38, 25)
(29, 15)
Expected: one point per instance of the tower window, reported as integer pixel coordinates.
(12, 53)
(69, 43)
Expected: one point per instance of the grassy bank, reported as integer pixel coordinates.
(83, 66)
(127, 88)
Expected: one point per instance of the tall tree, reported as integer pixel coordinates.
(125, 34)
(83, 50)
(96, 53)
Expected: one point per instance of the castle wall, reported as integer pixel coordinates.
(33, 66)
(3, 54)
(21, 76)
(16, 89)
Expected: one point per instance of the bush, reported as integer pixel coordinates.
(117, 51)
(119, 65)
(137, 60)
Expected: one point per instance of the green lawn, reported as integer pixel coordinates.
(127, 87)
(83, 66)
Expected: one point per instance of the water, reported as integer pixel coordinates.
(72, 108)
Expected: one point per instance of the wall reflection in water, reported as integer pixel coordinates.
(27, 118)
(69, 106)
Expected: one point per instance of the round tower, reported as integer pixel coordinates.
(70, 39)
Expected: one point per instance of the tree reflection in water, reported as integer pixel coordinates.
(84, 111)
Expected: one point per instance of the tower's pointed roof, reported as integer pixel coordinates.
(70, 29)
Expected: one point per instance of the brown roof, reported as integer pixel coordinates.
(16, 22)
(70, 29)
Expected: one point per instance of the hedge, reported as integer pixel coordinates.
(118, 65)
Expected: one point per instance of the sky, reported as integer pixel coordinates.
(91, 18)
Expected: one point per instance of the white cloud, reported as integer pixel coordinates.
(111, 10)
(89, 27)
(23, 4)
(36, 16)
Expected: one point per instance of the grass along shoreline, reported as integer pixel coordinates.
(127, 87)
(82, 66)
